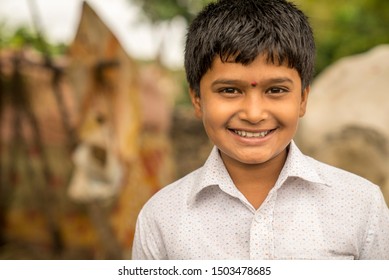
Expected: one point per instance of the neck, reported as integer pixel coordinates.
(255, 181)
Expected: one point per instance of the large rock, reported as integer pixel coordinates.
(123, 156)
(347, 122)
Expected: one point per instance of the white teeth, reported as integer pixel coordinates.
(251, 134)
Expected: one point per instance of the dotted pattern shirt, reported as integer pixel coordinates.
(314, 211)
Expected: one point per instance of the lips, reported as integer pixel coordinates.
(252, 134)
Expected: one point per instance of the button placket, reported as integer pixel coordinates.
(261, 232)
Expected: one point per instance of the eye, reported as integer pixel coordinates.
(277, 90)
(229, 90)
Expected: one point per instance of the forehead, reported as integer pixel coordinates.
(259, 69)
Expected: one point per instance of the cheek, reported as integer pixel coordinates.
(289, 114)
(214, 111)
(211, 117)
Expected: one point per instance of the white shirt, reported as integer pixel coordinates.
(314, 211)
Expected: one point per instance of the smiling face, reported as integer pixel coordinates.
(250, 112)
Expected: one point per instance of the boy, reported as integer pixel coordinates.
(249, 64)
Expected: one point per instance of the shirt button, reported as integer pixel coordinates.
(260, 218)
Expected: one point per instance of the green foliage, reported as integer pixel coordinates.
(24, 37)
(344, 28)
(157, 10)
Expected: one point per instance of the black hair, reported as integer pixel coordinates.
(243, 29)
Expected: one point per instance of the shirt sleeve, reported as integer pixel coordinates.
(376, 246)
(148, 242)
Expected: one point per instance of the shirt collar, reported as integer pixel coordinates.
(300, 166)
(214, 172)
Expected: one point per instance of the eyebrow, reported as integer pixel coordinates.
(227, 82)
(278, 80)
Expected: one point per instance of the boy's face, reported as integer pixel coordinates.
(250, 112)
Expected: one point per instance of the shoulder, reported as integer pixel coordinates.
(342, 181)
(171, 198)
(359, 202)
(359, 208)
(158, 218)
(336, 179)
(334, 175)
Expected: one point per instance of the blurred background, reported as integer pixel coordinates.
(95, 115)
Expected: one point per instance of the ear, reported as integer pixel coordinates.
(196, 102)
(304, 101)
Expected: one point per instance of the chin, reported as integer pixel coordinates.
(252, 160)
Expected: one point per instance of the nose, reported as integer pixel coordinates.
(254, 109)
